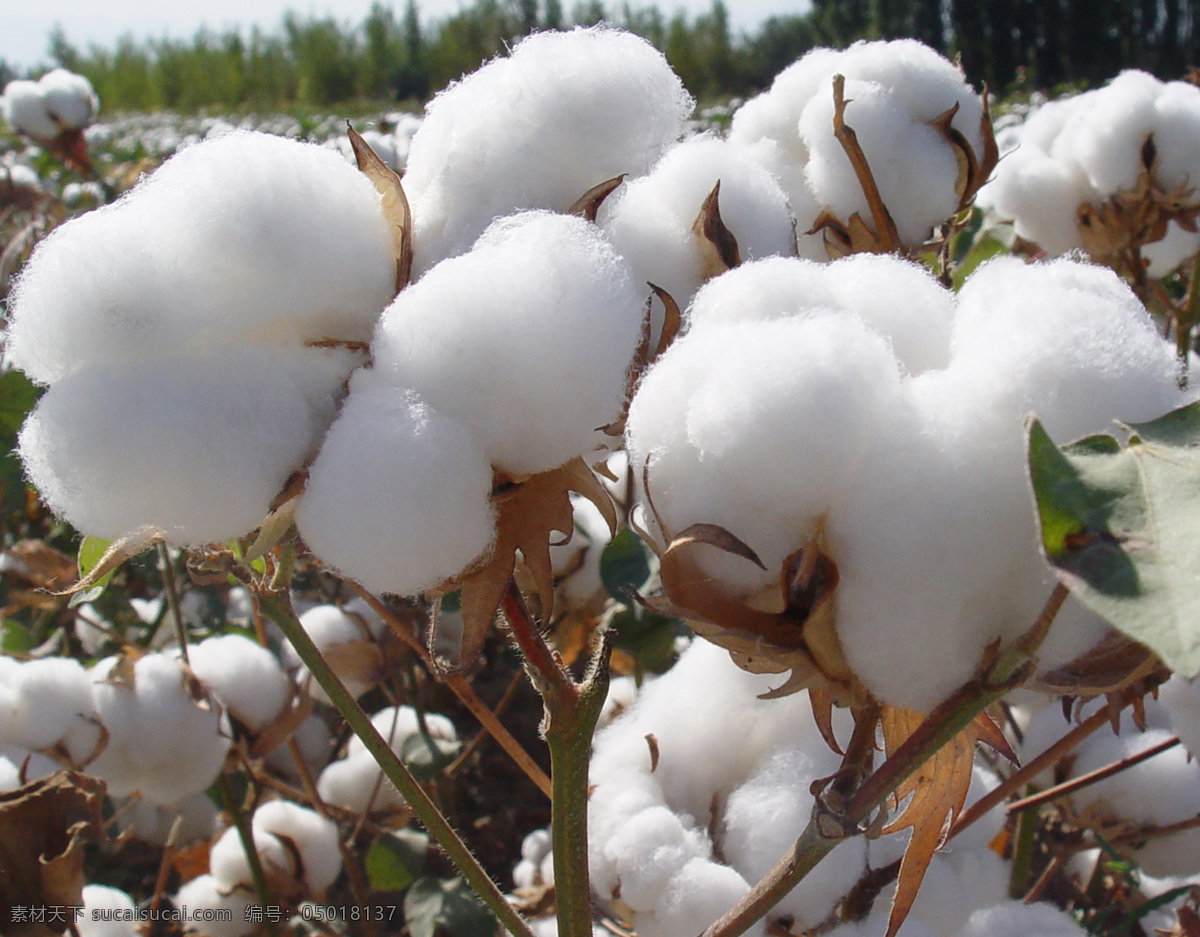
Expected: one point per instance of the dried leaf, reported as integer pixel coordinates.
(718, 247)
(587, 206)
(118, 552)
(395, 203)
(40, 565)
(821, 702)
(886, 234)
(528, 515)
(43, 827)
(283, 726)
(672, 322)
(1113, 664)
(936, 792)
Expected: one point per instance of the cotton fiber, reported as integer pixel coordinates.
(537, 129)
(244, 676)
(60, 100)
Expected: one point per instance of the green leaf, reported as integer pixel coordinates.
(91, 552)
(15, 638)
(17, 397)
(1121, 526)
(645, 636)
(624, 565)
(447, 903)
(395, 859)
(425, 757)
(984, 249)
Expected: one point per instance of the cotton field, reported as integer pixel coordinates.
(570, 511)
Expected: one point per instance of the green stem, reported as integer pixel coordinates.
(172, 593)
(246, 835)
(1022, 859)
(277, 607)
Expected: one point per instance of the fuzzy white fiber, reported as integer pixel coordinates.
(244, 677)
(894, 90)
(60, 100)
(103, 898)
(194, 447)
(205, 897)
(160, 740)
(311, 837)
(398, 497)
(1017, 919)
(43, 702)
(244, 238)
(24, 107)
(540, 318)
(343, 636)
(650, 220)
(537, 129)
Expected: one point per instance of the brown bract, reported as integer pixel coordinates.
(395, 203)
(43, 827)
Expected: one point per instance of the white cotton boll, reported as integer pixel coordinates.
(51, 698)
(1108, 127)
(758, 429)
(650, 220)
(356, 783)
(102, 903)
(773, 288)
(537, 129)
(343, 637)
(155, 823)
(244, 676)
(398, 498)
(160, 741)
(957, 883)
(397, 724)
(1177, 137)
(527, 339)
(316, 749)
(1016, 919)
(70, 99)
(536, 846)
(1174, 248)
(526, 874)
(1181, 699)
(195, 448)
(695, 897)
(651, 849)
(230, 868)
(313, 837)
(10, 774)
(228, 908)
(24, 107)
(1040, 195)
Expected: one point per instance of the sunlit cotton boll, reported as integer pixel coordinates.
(101, 904)
(245, 677)
(537, 129)
(247, 238)
(70, 99)
(160, 741)
(527, 339)
(347, 641)
(217, 911)
(398, 498)
(312, 837)
(44, 701)
(24, 107)
(651, 220)
(196, 448)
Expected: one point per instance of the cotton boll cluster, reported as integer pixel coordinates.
(860, 405)
(1078, 154)
(173, 328)
(59, 101)
(537, 129)
(356, 783)
(297, 847)
(507, 357)
(895, 93)
(536, 866)
(655, 842)
(652, 220)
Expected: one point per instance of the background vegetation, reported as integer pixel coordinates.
(391, 57)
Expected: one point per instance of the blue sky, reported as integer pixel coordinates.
(25, 24)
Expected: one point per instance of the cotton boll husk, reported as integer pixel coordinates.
(203, 895)
(314, 838)
(564, 112)
(247, 238)
(695, 898)
(160, 741)
(1016, 919)
(758, 428)
(25, 108)
(765, 816)
(195, 447)
(527, 339)
(398, 498)
(98, 899)
(650, 221)
(53, 697)
(70, 98)
(244, 676)
(1107, 128)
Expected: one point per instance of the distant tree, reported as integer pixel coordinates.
(588, 13)
(779, 42)
(60, 50)
(552, 16)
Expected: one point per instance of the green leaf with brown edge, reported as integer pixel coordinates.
(1121, 527)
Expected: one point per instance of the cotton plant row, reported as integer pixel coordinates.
(1106, 171)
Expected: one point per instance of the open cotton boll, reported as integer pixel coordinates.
(196, 448)
(24, 107)
(228, 864)
(1039, 194)
(1177, 137)
(70, 99)
(1107, 129)
(651, 850)
(758, 428)
(103, 910)
(537, 129)
(356, 783)
(216, 911)
(651, 220)
(312, 837)
(527, 339)
(244, 676)
(161, 741)
(695, 898)
(249, 237)
(345, 639)
(398, 498)
(1017, 919)
(397, 724)
(44, 701)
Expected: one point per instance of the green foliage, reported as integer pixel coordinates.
(396, 859)
(1119, 525)
(448, 904)
(627, 568)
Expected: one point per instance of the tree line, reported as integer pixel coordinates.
(392, 57)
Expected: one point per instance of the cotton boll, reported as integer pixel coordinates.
(24, 107)
(70, 100)
(313, 837)
(346, 641)
(699, 894)
(357, 784)
(100, 905)
(1040, 195)
(243, 676)
(228, 908)
(958, 883)
(52, 697)
(398, 498)
(1177, 137)
(1165, 255)
(651, 849)
(650, 221)
(527, 339)
(1107, 129)
(1016, 919)
(196, 448)
(537, 129)
(761, 290)
(160, 741)
(230, 868)
(397, 724)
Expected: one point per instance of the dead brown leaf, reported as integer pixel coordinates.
(43, 827)
(395, 203)
(40, 565)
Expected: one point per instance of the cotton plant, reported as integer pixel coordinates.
(875, 145)
(53, 112)
(1110, 171)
